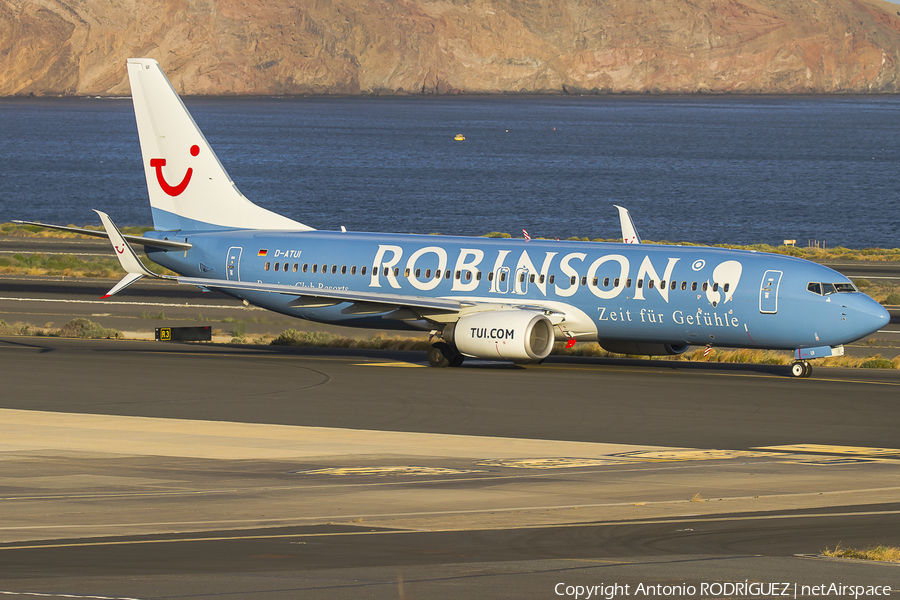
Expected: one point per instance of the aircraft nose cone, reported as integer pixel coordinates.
(868, 316)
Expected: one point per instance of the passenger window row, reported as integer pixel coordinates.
(467, 276)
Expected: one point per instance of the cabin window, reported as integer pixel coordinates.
(673, 285)
(683, 285)
(606, 282)
(457, 275)
(353, 270)
(418, 273)
(815, 288)
(315, 268)
(343, 269)
(595, 282)
(447, 274)
(502, 275)
(640, 283)
(333, 269)
(694, 286)
(386, 271)
(650, 284)
(468, 275)
(491, 276)
(552, 278)
(427, 273)
(438, 274)
(662, 284)
(324, 269)
(277, 265)
(572, 280)
(304, 267)
(616, 282)
(267, 266)
(628, 282)
(477, 275)
(406, 272)
(531, 278)
(541, 278)
(296, 266)
(705, 286)
(715, 287)
(363, 271)
(725, 287)
(521, 277)
(286, 265)
(828, 288)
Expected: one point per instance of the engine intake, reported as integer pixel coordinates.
(517, 335)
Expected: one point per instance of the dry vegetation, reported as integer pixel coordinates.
(879, 553)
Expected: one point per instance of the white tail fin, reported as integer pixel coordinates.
(189, 188)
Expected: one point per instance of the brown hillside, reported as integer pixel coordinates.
(51, 47)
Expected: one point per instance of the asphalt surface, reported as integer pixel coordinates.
(148, 470)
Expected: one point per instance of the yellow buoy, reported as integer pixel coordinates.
(459, 137)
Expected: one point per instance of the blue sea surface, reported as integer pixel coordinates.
(698, 169)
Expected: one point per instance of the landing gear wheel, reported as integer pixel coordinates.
(801, 369)
(440, 355)
(457, 360)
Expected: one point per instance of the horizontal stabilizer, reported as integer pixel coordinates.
(133, 239)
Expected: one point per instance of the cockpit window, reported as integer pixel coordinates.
(843, 288)
(824, 289)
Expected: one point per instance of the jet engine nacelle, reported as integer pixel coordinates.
(517, 335)
(643, 348)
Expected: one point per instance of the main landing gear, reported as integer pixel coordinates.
(444, 355)
(801, 368)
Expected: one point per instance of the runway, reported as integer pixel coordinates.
(145, 470)
(142, 470)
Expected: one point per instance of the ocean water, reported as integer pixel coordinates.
(697, 169)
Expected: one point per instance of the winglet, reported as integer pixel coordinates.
(629, 233)
(126, 255)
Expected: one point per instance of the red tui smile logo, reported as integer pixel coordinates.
(173, 190)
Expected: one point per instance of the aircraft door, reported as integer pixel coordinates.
(768, 292)
(233, 263)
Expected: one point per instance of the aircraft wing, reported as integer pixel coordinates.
(322, 297)
(134, 239)
(404, 307)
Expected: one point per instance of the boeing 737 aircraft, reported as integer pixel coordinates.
(484, 298)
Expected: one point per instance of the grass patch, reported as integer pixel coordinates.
(15, 230)
(83, 328)
(152, 315)
(67, 265)
(319, 339)
(76, 328)
(880, 553)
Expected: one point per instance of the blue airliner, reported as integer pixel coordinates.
(483, 298)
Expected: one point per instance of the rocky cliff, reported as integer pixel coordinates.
(53, 47)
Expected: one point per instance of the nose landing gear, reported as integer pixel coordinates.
(801, 368)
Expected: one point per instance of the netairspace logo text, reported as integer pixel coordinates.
(735, 589)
